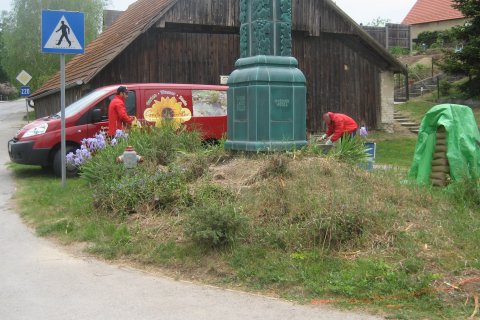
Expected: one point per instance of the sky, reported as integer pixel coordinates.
(362, 11)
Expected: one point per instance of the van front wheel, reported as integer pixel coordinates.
(57, 163)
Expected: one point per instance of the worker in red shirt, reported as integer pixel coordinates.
(117, 112)
(338, 124)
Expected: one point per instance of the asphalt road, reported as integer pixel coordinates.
(39, 280)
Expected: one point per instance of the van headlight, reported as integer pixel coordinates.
(41, 129)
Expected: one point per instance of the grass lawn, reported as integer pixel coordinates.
(397, 152)
(299, 225)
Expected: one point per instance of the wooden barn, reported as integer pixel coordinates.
(197, 41)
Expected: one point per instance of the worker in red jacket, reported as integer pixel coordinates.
(117, 112)
(338, 124)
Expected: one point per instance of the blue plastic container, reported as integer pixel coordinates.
(370, 148)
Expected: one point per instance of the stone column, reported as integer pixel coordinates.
(267, 92)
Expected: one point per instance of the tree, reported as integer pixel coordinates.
(378, 22)
(467, 60)
(22, 36)
(3, 74)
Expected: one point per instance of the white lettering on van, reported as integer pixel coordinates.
(183, 100)
(151, 99)
(167, 92)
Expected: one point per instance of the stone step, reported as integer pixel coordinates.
(406, 122)
(409, 124)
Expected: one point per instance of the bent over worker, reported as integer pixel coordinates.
(338, 124)
(117, 113)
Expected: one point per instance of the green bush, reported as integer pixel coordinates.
(156, 145)
(350, 150)
(103, 166)
(445, 87)
(419, 71)
(214, 220)
(397, 51)
(124, 195)
(121, 191)
(467, 192)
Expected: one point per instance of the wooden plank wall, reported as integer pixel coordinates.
(338, 80)
(205, 12)
(161, 56)
(51, 104)
(398, 35)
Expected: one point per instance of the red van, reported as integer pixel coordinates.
(201, 106)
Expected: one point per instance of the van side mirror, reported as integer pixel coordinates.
(96, 115)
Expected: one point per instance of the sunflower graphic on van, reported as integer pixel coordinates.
(167, 109)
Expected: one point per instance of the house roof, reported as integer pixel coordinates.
(424, 11)
(138, 18)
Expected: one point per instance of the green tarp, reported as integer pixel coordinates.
(463, 143)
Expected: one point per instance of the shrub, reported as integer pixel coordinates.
(214, 220)
(350, 150)
(124, 195)
(158, 146)
(419, 71)
(397, 51)
(90, 146)
(6, 89)
(467, 192)
(445, 87)
(277, 166)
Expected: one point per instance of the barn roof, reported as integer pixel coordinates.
(140, 17)
(424, 11)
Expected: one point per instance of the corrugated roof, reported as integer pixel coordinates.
(424, 11)
(138, 18)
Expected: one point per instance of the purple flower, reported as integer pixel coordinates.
(120, 134)
(91, 145)
(363, 132)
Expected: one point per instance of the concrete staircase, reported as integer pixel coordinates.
(406, 122)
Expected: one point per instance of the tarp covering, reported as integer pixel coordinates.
(463, 143)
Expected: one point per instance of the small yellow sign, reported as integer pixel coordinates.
(24, 78)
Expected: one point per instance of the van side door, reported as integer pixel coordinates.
(98, 115)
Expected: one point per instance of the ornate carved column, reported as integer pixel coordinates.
(267, 92)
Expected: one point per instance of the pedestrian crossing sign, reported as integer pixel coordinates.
(63, 32)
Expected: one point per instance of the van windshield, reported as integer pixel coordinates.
(82, 103)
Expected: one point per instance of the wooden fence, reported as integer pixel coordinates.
(391, 36)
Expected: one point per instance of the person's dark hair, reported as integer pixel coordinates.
(122, 89)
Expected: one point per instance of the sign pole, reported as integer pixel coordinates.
(26, 104)
(23, 77)
(70, 41)
(62, 105)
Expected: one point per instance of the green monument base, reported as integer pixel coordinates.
(266, 105)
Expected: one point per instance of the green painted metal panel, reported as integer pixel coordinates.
(267, 92)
